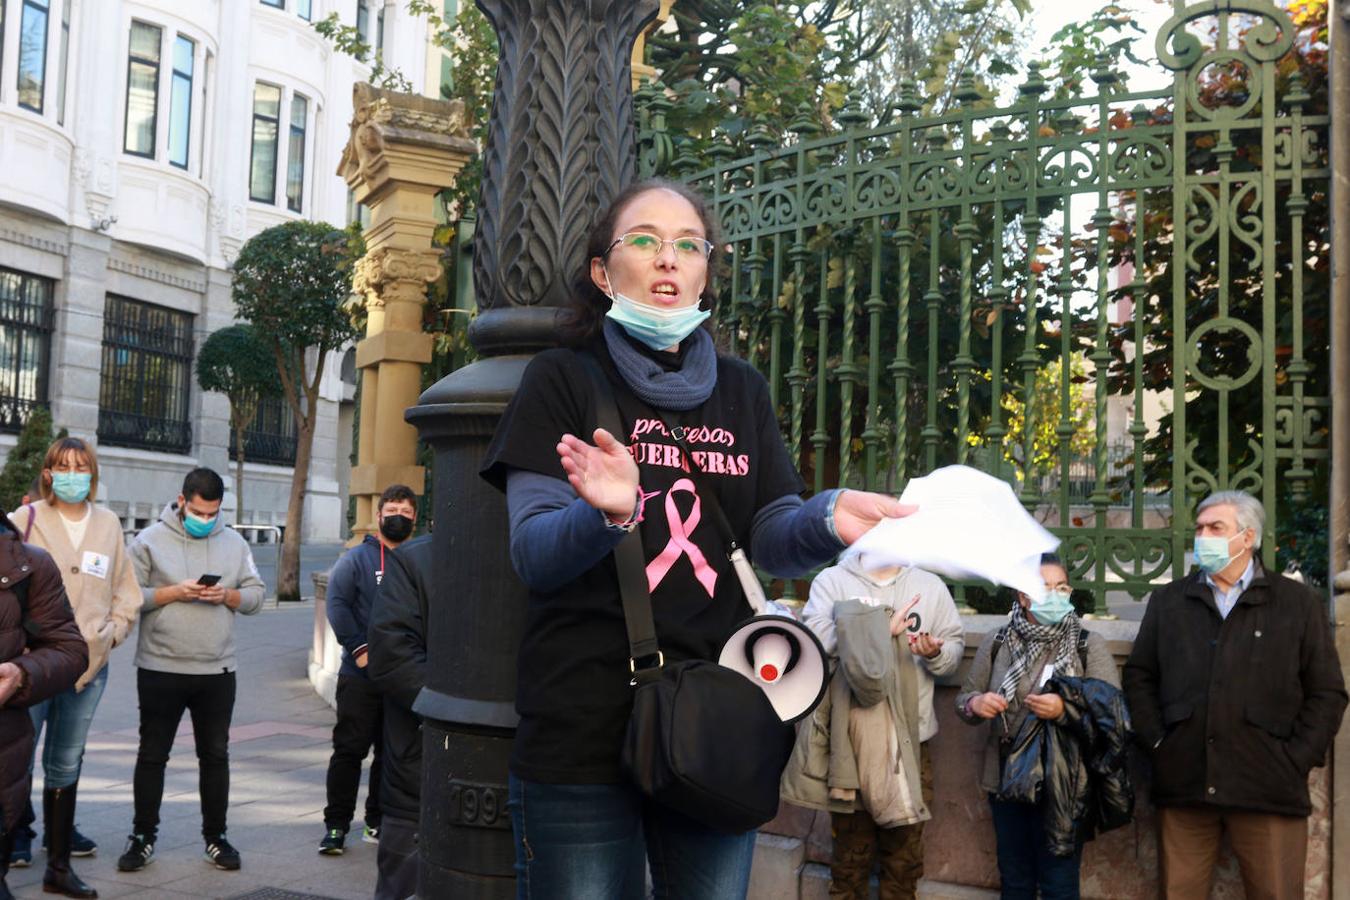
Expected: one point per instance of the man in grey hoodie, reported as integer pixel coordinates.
(195, 574)
(922, 610)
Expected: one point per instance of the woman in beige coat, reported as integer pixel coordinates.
(86, 542)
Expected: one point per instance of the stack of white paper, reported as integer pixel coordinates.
(968, 525)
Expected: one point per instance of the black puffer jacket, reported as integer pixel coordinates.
(1076, 768)
(397, 664)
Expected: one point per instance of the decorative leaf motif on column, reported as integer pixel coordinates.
(560, 141)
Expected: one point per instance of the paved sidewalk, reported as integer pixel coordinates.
(279, 746)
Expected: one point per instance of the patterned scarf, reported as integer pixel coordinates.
(1029, 642)
(685, 388)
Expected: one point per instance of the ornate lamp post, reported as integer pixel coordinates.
(560, 144)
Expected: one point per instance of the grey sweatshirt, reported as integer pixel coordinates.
(191, 637)
(934, 613)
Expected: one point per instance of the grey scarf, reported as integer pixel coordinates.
(685, 388)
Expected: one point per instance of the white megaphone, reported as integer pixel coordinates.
(776, 652)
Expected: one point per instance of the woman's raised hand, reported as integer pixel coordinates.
(855, 512)
(603, 474)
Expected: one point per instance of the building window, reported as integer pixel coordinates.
(262, 182)
(363, 19)
(65, 64)
(142, 89)
(25, 345)
(32, 54)
(379, 32)
(275, 4)
(304, 9)
(147, 358)
(272, 436)
(295, 154)
(180, 102)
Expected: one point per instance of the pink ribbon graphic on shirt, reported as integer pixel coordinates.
(680, 544)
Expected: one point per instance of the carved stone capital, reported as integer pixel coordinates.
(390, 275)
(387, 121)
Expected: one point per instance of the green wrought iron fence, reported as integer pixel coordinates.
(901, 287)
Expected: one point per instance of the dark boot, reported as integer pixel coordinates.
(6, 841)
(58, 815)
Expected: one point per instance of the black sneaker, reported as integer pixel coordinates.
(80, 845)
(221, 854)
(21, 851)
(140, 853)
(333, 843)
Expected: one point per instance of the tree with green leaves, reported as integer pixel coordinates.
(24, 463)
(236, 362)
(291, 282)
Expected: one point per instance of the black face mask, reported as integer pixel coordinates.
(396, 528)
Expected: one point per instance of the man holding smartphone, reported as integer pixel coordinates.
(195, 575)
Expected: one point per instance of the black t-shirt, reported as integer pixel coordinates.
(572, 689)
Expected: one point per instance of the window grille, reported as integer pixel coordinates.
(272, 437)
(26, 315)
(147, 361)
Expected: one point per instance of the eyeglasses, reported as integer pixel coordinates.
(649, 246)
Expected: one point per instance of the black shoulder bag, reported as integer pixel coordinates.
(702, 739)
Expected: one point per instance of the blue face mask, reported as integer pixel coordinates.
(1050, 607)
(1211, 553)
(71, 487)
(655, 327)
(196, 526)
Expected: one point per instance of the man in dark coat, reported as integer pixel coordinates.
(34, 616)
(398, 662)
(352, 586)
(1236, 692)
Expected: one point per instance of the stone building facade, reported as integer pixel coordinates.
(142, 143)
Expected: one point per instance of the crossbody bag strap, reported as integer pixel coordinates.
(644, 653)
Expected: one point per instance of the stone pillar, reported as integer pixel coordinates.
(641, 71)
(560, 145)
(404, 149)
(1339, 501)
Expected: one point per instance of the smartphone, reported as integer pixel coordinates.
(208, 580)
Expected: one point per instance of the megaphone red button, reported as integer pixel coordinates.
(768, 673)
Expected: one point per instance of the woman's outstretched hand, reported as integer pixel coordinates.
(603, 474)
(855, 512)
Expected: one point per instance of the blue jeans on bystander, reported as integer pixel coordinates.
(591, 840)
(67, 718)
(1024, 863)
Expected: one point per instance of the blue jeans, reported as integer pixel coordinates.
(589, 841)
(1024, 863)
(67, 716)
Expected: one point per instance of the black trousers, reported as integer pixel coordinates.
(360, 726)
(209, 699)
(397, 860)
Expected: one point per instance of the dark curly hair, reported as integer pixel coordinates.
(582, 318)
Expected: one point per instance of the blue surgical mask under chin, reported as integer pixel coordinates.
(1050, 607)
(1211, 553)
(71, 487)
(658, 328)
